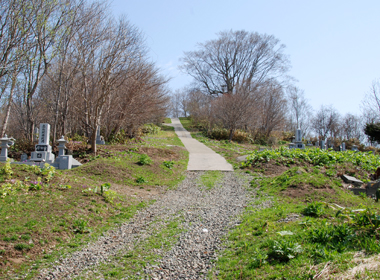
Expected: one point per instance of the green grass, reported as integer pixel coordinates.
(70, 208)
(210, 178)
(167, 120)
(267, 246)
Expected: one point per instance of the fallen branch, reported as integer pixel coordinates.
(321, 272)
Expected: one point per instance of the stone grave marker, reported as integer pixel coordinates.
(322, 142)
(298, 142)
(43, 149)
(24, 157)
(99, 139)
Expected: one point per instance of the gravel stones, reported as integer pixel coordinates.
(206, 216)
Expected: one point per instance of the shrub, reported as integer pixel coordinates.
(150, 128)
(241, 136)
(272, 141)
(24, 145)
(218, 133)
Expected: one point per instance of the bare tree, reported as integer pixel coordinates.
(299, 110)
(352, 127)
(271, 108)
(371, 102)
(47, 20)
(236, 57)
(326, 122)
(233, 109)
(180, 102)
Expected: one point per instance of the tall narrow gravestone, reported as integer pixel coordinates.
(99, 139)
(298, 141)
(322, 143)
(43, 149)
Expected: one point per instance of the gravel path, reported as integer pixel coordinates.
(207, 215)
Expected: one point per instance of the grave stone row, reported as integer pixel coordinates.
(43, 151)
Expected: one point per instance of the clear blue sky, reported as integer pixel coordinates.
(333, 46)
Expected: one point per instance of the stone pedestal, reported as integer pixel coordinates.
(65, 162)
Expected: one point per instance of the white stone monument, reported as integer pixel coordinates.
(43, 149)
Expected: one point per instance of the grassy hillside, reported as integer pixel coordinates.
(46, 213)
(305, 222)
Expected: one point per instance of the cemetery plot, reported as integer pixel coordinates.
(46, 211)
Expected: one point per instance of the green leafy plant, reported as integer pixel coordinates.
(145, 160)
(169, 164)
(258, 259)
(141, 180)
(7, 189)
(7, 169)
(35, 185)
(109, 196)
(315, 209)
(104, 187)
(283, 250)
(365, 160)
(64, 187)
(80, 226)
(48, 171)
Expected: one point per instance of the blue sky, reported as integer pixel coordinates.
(333, 46)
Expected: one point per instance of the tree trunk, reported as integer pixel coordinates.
(8, 111)
(93, 140)
(231, 134)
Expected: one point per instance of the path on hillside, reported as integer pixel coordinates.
(204, 216)
(201, 157)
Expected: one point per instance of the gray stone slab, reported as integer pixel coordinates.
(351, 180)
(242, 158)
(201, 157)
